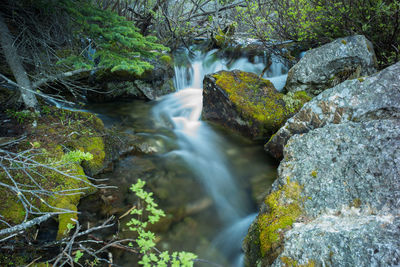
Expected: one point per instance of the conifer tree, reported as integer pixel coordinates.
(118, 44)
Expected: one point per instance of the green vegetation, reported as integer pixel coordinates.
(313, 22)
(118, 44)
(150, 214)
(314, 173)
(257, 99)
(56, 169)
(284, 207)
(22, 116)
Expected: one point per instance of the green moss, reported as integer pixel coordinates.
(11, 208)
(314, 173)
(166, 59)
(12, 259)
(93, 145)
(344, 42)
(53, 133)
(67, 218)
(294, 101)
(256, 99)
(60, 182)
(284, 207)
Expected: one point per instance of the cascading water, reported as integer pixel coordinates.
(199, 145)
(198, 142)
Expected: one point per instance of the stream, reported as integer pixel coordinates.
(208, 180)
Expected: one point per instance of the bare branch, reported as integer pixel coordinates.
(26, 225)
(60, 76)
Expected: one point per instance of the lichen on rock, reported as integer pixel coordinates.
(350, 193)
(328, 65)
(246, 103)
(283, 206)
(377, 96)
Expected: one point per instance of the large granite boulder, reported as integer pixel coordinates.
(246, 103)
(336, 200)
(361, 99)
(331, 64)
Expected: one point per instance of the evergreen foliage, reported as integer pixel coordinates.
(113, 42)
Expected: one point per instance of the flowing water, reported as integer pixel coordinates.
(202, 169)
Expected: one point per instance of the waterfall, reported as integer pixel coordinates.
(199, 145)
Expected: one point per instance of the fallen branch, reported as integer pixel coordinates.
(26, 225)
(36, 92)
(60, 76)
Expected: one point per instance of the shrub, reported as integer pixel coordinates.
(150, 214)
(314, 22)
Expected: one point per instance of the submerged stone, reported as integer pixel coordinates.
(246, 103)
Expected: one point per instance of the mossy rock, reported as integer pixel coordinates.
(93, 145)
(282, 207)
(244, 102)
(57, 132)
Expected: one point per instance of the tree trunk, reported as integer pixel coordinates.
(15, 63)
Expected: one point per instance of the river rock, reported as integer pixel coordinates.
(246, 103)
(362, 99)
(336, 199)
(331, 64)
(148, 86)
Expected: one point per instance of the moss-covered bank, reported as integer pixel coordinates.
(56, 135)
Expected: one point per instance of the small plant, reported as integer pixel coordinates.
(150, 214)
(46, 110)
(78, 255)
(76, 156)
(22, 116)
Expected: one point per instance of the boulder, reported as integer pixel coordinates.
(246, 103)
(336, 200)
(331, 64)
(122, 84)
(362, 99)
(137, 89)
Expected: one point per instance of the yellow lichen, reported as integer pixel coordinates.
(256, 99)
(289, 262)
(314, 173)
(284, 207)
(356, 203)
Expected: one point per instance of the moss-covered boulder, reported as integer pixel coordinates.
(56, 170)
(246, 103)
(340, 205)
(335, 201)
